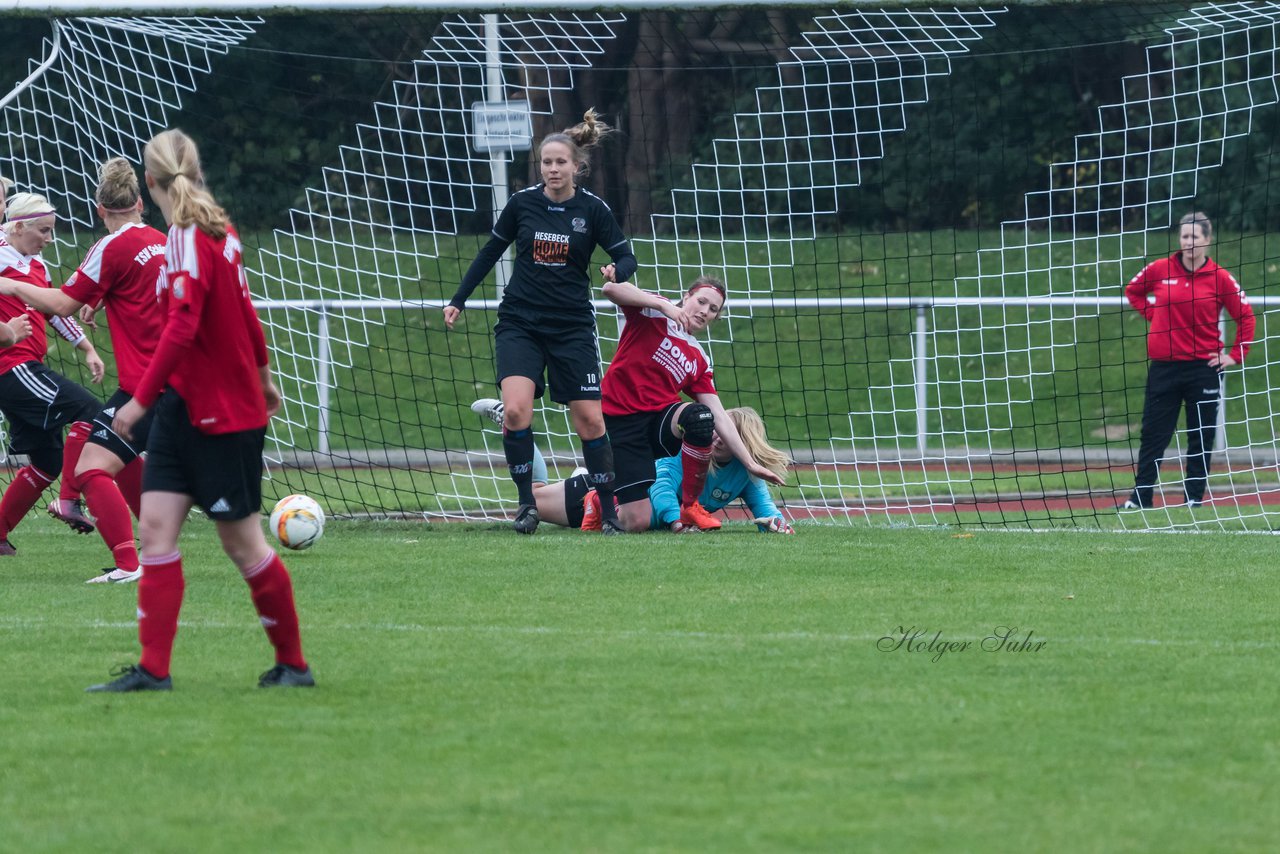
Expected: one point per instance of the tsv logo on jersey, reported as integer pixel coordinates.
(147, 253)
(579, 225)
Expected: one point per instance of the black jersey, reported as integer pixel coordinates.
(554, 242)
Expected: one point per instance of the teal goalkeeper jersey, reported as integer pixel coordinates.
(727, 483)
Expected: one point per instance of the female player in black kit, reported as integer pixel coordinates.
(546, 323)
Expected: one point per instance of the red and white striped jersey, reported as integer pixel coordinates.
(123, 270)
(30, 269)
(655, 362)
(212, 346)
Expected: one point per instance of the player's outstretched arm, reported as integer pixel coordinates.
(728, 433)
(44, 300)
(628, 295)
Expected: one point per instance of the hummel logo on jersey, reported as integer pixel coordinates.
(220, 506)
(1209, 391)
(101, 434)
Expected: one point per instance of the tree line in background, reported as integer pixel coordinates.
(276, 109)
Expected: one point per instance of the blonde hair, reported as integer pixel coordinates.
(172, 160)
(751, 429)
(118, 190)
(1200, 219)
(580, 138)
(24, 206)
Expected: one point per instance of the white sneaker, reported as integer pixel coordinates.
(116, 576)
(489, 407)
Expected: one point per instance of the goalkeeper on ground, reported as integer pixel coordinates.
(573, 503)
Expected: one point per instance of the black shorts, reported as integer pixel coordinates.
(38, 403)
(126, 450)
(570, 358)
(222, 473)
(637, 441)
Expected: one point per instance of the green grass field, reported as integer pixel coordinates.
(724, 692)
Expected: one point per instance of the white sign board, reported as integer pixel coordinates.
(501, 126)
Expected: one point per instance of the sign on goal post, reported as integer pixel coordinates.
(501, 126)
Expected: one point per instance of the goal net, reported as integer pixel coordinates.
(925, 219)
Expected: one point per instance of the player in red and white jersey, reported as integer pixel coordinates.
(37, 401)
(205, 447)
(1182, 297)
(19, 327)
(657, 360)
(119, 272)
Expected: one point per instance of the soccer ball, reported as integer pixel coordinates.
(297, 521)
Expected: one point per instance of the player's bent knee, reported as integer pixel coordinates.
(157, 537)
(98, 457)
(635, 518)
(589, 429)
(516, 418)
(698, 423)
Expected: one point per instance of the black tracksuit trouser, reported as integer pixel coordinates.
(1171, 386)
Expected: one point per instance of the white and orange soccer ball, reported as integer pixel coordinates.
(297, 521)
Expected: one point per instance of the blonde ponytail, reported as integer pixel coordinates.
(580, 139)
(173, 162)
(118, 190)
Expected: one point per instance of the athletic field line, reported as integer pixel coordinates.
(27, 623)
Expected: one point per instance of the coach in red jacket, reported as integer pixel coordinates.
(1182, 297)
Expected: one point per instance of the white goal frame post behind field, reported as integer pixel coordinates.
(989, 374)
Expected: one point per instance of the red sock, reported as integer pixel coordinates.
(693, 465)
(69, 490)
(159, 601)
(112, 516)
(130, 482)
(24, 491)
(272, 591)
